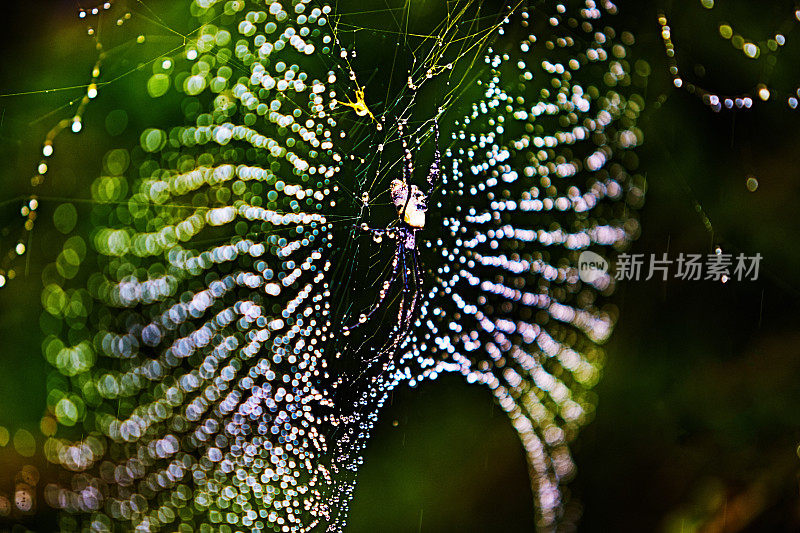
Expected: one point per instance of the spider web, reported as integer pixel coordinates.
(203, 380)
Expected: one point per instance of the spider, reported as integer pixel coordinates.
(360, 107)
(411, 204)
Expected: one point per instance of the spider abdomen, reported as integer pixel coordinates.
(410, 209)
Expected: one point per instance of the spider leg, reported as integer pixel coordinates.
(408, 166)
(408, 310)
(408, 169)
(435, 172)
(409, 303)
(402, 326)
(417, 282)
(416, 275)
(384, 292)
(406, 289)
(364, 227)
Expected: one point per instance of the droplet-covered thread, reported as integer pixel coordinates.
(202, 379)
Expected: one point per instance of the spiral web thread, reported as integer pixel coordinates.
(192, 424)
(202, 373)
(539, 173)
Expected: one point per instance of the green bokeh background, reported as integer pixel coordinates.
(699, 414)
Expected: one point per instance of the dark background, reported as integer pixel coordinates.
(698, 421)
